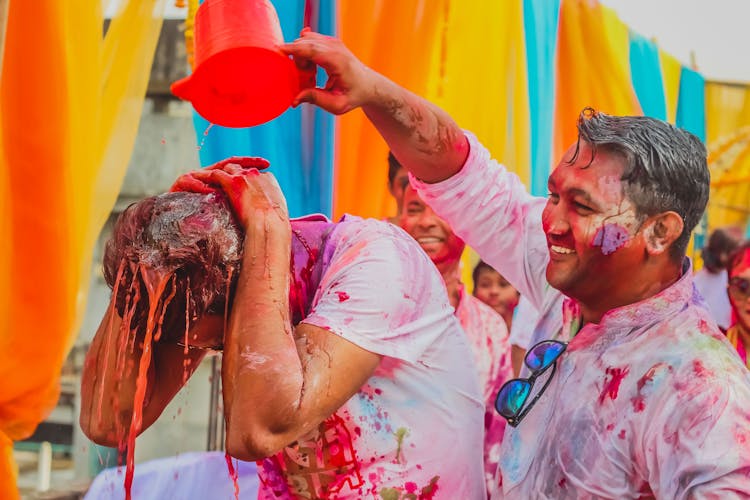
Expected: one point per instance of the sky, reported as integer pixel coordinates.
(716, 31)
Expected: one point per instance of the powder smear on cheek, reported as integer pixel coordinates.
(610, 237)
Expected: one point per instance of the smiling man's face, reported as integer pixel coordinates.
(432, 233)
(591, 226)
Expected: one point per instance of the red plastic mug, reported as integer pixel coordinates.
(241, 78)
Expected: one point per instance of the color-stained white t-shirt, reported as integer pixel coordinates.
(650, 402)
(416, 426)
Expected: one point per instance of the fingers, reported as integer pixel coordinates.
(243, 161)
(312, 48)
(190, 184)
(330, 101)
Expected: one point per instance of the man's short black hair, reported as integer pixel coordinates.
(665, 167)
(393, 167)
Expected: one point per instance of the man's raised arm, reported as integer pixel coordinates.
(423, 137)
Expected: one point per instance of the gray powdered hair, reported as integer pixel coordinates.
(665, 167)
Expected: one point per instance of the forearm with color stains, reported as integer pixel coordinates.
(261, 373)
(423, 137)
(109, 381)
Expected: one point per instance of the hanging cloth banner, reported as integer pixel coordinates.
(593, 68)
(67, 127)
(691, 106)
(479, 76)
(375, 31)
(671, 69)
(645, 71)
(299, 143)
(540, 25)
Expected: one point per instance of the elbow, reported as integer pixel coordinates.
(99, 434)
(257, 444)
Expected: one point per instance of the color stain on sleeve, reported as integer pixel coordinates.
(343, 296)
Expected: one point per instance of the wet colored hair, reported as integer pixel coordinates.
(192, 240)
(393, 167)
(665, 167)
(739, 256)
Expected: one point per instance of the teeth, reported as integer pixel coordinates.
(428, 240)
(562, 250)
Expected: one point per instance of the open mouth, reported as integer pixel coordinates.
(428, 240)
(561, 250)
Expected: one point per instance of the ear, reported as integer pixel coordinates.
(661, 230)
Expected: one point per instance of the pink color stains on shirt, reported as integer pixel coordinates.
(612, 386)
(610, 238)
(317, 466)
(700, 370)
(343, 296)
(639, 403)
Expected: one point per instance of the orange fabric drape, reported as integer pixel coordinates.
(396, 39)
(70, 104)
(593, 68)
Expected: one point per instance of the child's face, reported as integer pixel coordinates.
(739, 291)
(492, 289)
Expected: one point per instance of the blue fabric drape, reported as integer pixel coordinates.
(299, 143)
(540, 25)
(691, 103)
(645, 72)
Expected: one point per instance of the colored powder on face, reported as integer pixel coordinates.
(612, 386)
(610, 238)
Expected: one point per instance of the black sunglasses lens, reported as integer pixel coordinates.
(544, 354)
(512, 397)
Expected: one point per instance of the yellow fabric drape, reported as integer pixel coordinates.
(593, 68)
(70, 104)
(479, 76)
(728, 138)
(396, 39)
(671, 69)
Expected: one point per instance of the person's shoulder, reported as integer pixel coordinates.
(355, 228)
(694, 346)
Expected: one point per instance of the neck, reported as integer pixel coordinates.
(452, 278)
(650, 280)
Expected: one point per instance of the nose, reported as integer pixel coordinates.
(554, 221)
(427, 219)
